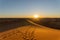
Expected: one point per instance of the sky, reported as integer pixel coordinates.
(28, 8)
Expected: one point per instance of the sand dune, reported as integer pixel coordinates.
(30, 33)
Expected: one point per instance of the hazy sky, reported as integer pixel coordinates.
(27, 8)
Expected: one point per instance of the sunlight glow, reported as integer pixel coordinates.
(36, 16)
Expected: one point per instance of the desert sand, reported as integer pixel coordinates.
(30, 33)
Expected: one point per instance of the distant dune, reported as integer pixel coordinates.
(30, 33)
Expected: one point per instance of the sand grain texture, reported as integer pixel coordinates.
(30, 33)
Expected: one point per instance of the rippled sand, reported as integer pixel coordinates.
(30, 33)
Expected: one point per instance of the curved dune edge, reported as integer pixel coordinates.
(30, 33)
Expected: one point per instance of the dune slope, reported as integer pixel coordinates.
(30, 33)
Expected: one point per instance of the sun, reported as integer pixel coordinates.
(36, 16)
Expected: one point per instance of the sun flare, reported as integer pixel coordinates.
(36, 16)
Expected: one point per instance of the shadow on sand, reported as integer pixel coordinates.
(8, 24)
